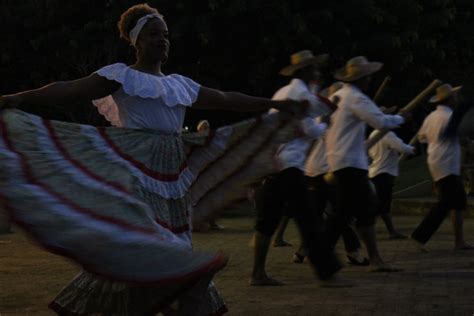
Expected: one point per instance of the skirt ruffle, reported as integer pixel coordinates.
(89, 294)
(116, 201)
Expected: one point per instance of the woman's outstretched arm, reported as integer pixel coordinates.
(63, 92)
(212, 99)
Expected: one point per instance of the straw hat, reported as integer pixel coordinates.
(329, 91)
(203, 126)
(443, 92)
(357, 68)
(303, 59)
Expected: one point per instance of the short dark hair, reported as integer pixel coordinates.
(129, 18)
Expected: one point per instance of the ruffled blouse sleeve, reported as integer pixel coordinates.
(172, 90)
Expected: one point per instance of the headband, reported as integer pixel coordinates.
(140, 24)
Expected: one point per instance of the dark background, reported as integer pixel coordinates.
(239, 45)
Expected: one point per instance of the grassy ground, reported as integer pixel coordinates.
(437, 283)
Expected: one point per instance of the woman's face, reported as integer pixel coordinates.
(153, 41)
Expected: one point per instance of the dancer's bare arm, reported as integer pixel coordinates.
(63, 92)
(212, 99)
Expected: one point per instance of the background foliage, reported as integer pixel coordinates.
(238, 44)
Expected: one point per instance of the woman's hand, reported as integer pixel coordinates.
(292, 106)
(9, 101)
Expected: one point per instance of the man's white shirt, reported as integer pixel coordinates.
(294, 153)
(444, 154)
(317, 163)
(345, 139)
(385, 154)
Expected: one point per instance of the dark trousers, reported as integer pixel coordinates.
(320, 195)
(451, 196)
(384, 188)
(288, 187)
(354, 201)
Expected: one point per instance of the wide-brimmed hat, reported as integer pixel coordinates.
(201, 125)
(357, 68)
(329, 91)
(303, 59)
(443, 92)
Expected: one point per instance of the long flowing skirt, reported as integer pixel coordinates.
(119, 202)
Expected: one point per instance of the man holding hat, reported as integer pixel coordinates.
(444, 162)
(347, 155)
(288, 187)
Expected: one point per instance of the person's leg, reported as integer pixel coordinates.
(457, 218)
(353, 247)
(431, 222)
(320, 252)
(351, 241)
(261, 244)
(362, 198)
(458, 202)
(268, 216)
(367, 234)
(384, 187)
(278, 240)
(317, 200)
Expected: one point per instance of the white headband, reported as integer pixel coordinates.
(140, 23)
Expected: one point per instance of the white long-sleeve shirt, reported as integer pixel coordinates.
(294, 153)
(444, 154)
(345, 140)
(317, 163)
(385, 154)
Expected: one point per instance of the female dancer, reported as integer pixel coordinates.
(115, 199)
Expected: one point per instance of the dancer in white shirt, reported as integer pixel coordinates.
(347, 157)
(383, 171)
(288, 187)
(444, 162)
(321, 192)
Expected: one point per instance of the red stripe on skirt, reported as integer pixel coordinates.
(216, 264)
(27, 172)
(139, 165)
(246, 162)
(258, 121)
(52, 134)
(78, 164)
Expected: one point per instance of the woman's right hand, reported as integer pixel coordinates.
(9, 101)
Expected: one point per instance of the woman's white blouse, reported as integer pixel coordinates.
(145, 100)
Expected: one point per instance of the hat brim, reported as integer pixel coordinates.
(435, 98)
(316, 60)
(369, 68)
